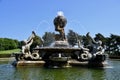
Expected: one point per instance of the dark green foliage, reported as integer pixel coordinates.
(8, 44)
(37, 41)
(48, 38)
(72, 37)
(102, 38)
(113, 45)
(85, 40)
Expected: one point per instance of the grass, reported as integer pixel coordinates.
(9, 51)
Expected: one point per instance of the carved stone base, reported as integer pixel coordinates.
(28, 63)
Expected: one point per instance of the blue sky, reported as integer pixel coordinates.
(18, 18)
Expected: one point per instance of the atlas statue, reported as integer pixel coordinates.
(60, 22)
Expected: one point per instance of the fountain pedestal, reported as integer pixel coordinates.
(28, 63)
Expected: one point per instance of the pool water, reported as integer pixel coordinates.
(9, 72)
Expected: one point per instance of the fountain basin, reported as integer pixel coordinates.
(57, 49)
(61, 59)
(87, 63)
(28, 63)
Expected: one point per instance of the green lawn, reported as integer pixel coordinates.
(9, 51)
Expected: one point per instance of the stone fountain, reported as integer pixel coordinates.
(60, 53)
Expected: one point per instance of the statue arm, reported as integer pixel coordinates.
(59, 28)
(95, 42)
(31, 37)
(90, 38)
(23, 49)
(30, 43)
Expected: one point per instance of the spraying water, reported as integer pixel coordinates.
(42, 27)
(76, 26)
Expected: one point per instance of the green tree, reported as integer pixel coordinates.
(8, 44)
(102, 38)
(85, 41)
(72, 37)
(114, 45)
(2, 44)
(48, 38)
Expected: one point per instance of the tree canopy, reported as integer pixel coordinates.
(8, 44)
(112, 43)
(48, 38)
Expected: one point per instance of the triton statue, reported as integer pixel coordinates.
(26, 54)
(95, 44)
(27, 44)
